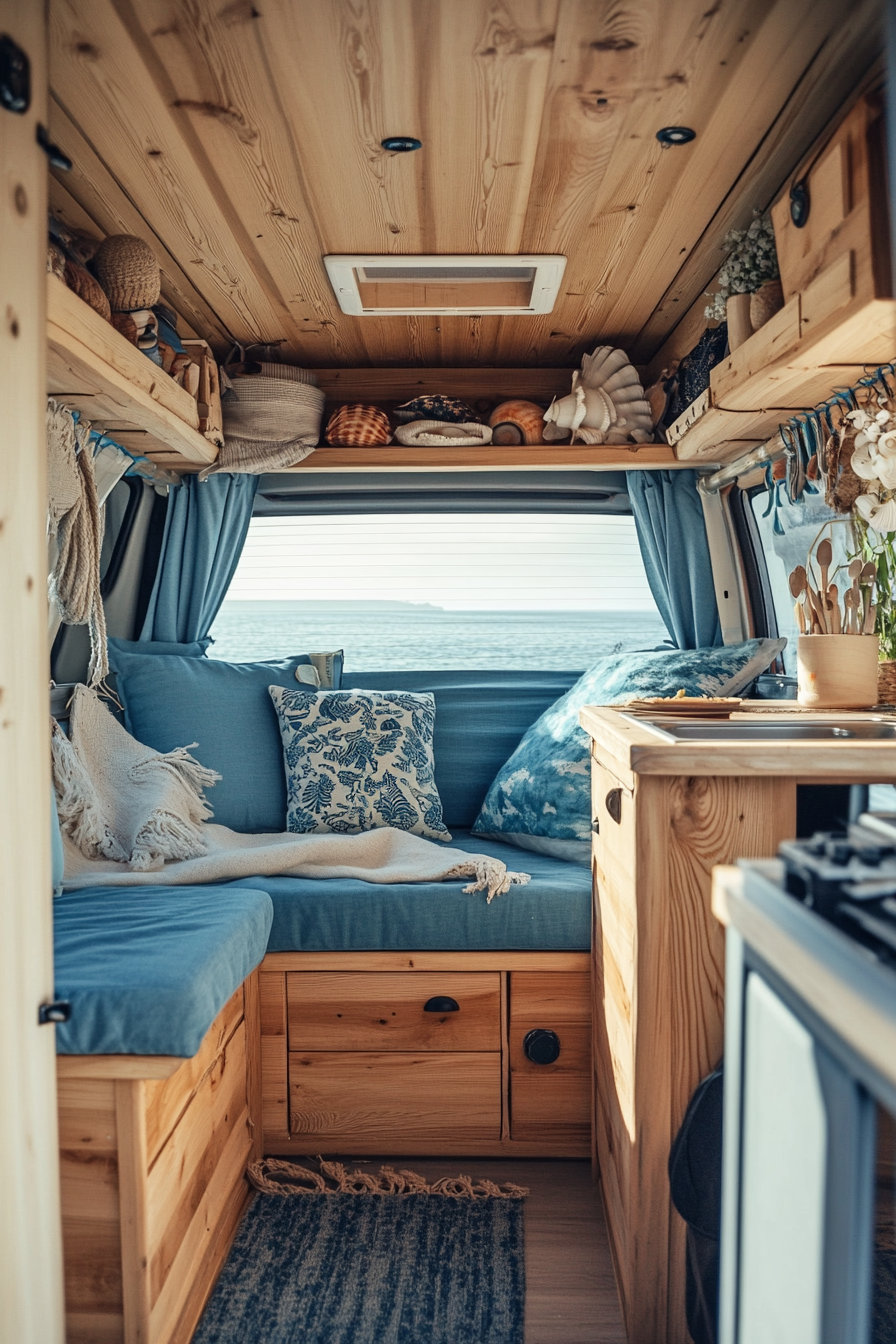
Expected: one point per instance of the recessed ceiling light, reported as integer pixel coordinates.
(675, 135)
(401, 144)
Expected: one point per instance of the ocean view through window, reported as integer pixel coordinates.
(440, 591)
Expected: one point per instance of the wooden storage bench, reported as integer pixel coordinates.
(364, 1052)
(153, 1156)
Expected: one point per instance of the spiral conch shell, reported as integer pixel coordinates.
(606, 404)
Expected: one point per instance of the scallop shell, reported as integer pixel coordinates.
(516, 422)
(606, 404)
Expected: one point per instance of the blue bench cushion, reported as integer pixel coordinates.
(148, 969)
(552, 913)
(480, 718)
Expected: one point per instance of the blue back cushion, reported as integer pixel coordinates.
(480, 718)
(57, 854)
(226, 710)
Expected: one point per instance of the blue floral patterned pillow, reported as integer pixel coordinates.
(356, 760)
(545, 787)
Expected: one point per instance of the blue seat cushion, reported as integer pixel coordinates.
(551, 913)
(148, 969)
(480, 718)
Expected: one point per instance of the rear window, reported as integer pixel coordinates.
(440, 591)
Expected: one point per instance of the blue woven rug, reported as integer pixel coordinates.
(374, 1269)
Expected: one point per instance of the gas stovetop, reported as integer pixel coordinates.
(849, 878)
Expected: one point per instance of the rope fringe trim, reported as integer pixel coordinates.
(273, 1176)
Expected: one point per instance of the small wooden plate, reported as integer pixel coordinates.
(686, 706)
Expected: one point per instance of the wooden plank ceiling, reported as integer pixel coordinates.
(242, 138)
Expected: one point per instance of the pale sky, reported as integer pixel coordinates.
(486, 561)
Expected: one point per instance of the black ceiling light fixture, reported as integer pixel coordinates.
(675, 135)
(401, 144)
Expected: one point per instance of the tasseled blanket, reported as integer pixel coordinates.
(132, 817)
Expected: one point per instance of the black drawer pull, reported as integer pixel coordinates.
(60, 1010)
(441, 1004)
(614, 804)
(541, 1046)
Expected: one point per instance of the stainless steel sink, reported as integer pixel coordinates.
(861, 730)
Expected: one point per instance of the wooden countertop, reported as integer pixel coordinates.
(629, 747)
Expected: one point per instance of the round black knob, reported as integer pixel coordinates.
(441, 1004)
(541, 1046)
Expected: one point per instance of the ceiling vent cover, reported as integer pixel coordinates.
(392, 286)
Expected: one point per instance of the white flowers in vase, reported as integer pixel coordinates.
(874, 461)
(752, 260)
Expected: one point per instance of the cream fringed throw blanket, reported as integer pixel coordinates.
(131, 817)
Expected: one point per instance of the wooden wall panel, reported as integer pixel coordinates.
(248, 139)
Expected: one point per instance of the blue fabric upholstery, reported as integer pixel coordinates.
(552, 913)
(205, 528)
(672, 536)
(148, 969)
(226, 709)
(480, 718)
(545, 786)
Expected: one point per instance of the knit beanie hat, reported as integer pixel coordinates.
(127, 269)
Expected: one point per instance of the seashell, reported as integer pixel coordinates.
(606, 404)
(56, 261)
(358, 426)
(517, 422)
(448, 410)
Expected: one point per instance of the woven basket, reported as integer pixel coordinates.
(83, 284)
(886, 682)
(127, 269)
(358, 426)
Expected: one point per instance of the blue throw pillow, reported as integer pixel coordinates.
(544, 789)
(359, 760)
(195, 649)
(225, 708)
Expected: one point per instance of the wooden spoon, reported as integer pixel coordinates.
(851, 603)
(824, 555)
(834, 609)
(799, 583)
(870, 617)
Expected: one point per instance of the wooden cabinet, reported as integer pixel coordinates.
(367, 1052)
(658, 985)
(153, 1154)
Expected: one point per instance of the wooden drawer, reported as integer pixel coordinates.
(551, 1100)
(345, 1097)
(382, 1011)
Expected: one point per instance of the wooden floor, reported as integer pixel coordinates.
(570, 1288)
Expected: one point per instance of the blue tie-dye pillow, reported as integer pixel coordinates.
(543, 793)
(356, 760)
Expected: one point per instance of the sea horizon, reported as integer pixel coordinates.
(387, 635)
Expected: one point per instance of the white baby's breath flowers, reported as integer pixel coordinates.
(751, 261)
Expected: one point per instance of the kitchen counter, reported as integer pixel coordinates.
(664, 814)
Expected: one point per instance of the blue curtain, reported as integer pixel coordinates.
(672, 536)
(205, 529)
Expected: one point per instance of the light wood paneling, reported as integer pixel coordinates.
(250, 145)
(659, 990)
(274, 1057)
(421, 961)
(367, 1101)
(381, 1011)
(548, 1101)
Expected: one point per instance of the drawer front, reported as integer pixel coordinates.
(366, 1097)
(551, 1100)
(382, 1011)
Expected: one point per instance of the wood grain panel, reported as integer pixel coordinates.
(385, 1012)
(88, 197)
(166, 1101)
(557, 1105)
(103, 81)
(274, 1056)
(659, 977)
(409, 962)
(373, 1099)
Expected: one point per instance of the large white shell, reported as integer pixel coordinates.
(606, 404)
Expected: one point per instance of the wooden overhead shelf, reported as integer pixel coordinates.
(93, 369)
(490, 457)
(821, 340)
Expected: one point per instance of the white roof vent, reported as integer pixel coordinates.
(391, 286)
